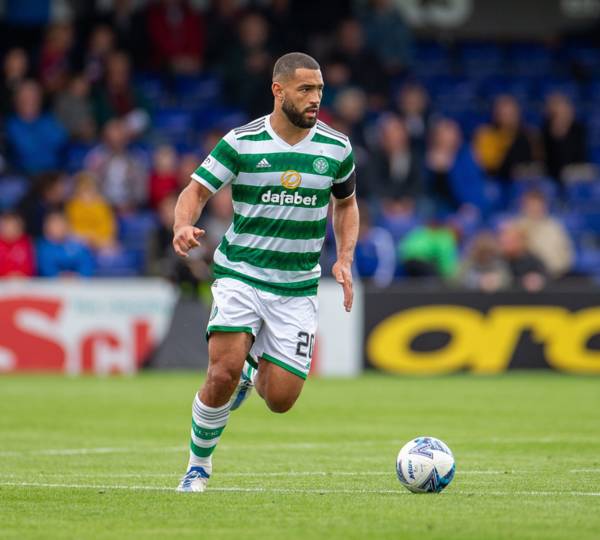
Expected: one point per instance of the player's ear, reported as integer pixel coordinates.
(277, 90)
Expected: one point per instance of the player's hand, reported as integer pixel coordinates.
(186, 238)
(343, 275)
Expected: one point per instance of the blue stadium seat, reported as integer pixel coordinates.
(583, 192)
(153, 88)
(431, 59)
(197, 92)
(519, 87)
(12, 190)
(174, 124)
(119, 263)
(481, 59)
(529, 59)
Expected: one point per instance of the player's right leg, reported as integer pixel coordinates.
(231, 330)
(210, 412)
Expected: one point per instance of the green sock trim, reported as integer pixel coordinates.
(285, 366)
(199, 451)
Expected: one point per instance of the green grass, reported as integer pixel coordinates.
(527, 448)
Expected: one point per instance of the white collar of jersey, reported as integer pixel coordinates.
(283, 143)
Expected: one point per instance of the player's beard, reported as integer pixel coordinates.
(296, 117)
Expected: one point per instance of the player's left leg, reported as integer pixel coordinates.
(284, 347)
(278, 387)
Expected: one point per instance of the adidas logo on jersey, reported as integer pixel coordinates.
(263, 164)
(287, 199)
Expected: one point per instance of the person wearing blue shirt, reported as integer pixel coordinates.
(59, 254)
(36, 139)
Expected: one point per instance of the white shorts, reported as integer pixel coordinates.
(283, 327)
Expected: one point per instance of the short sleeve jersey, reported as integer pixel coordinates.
(280, 198)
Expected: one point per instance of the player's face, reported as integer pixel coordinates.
(302, 97)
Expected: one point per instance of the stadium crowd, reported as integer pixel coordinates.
(475, 161)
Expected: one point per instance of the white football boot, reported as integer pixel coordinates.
(194, 481)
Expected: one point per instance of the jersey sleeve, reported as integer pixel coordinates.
(344, 184)
(221, 166)
(347, 167)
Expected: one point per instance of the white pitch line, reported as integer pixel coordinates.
(257, 474)
(296, 491)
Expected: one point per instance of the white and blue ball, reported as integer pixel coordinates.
(425, 465)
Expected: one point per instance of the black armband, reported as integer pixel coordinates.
(344, 189)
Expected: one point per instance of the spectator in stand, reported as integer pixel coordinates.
(73, 109)
(395, 170)
(101, 45)
(163, 177)
(16, 248)
(90, 217)
(412, 104)
(129, 26)
(365, 69)
(564, 136)
(350, 109)
(248, 66)
(483, 268)
(527, 271)
(503, 145)
(177, 35)
(59, 254)
(118, 98)
(122, 176)
(48, 193)
(56, 57)
(375, 257)
(454, 176)
(218, 218)
(336, 75)
(388, 36)
(547, 238)
(15, 69)
(429, 251)
(36, 139)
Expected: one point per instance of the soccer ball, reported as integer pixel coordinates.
(425, 465)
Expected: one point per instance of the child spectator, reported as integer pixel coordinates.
(36, 139)
(90, 217)
(163, 178)
(122, 176)
(74, 110)
(547, 238)
(58, 253)
(483, 268)
(101, 45)
(16, 249)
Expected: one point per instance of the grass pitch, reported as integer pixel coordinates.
(100, 458)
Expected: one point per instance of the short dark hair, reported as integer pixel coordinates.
(286, 65)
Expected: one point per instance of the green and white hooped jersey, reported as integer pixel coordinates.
(280, 198)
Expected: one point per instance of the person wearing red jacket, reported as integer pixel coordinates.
(178, 36)
(16, 248)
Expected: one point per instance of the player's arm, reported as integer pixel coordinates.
(345, 228)
(189, 206)
(218, 169)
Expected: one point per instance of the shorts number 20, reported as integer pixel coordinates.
(305, 345)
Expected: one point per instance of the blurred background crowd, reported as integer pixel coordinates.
(477, 162)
